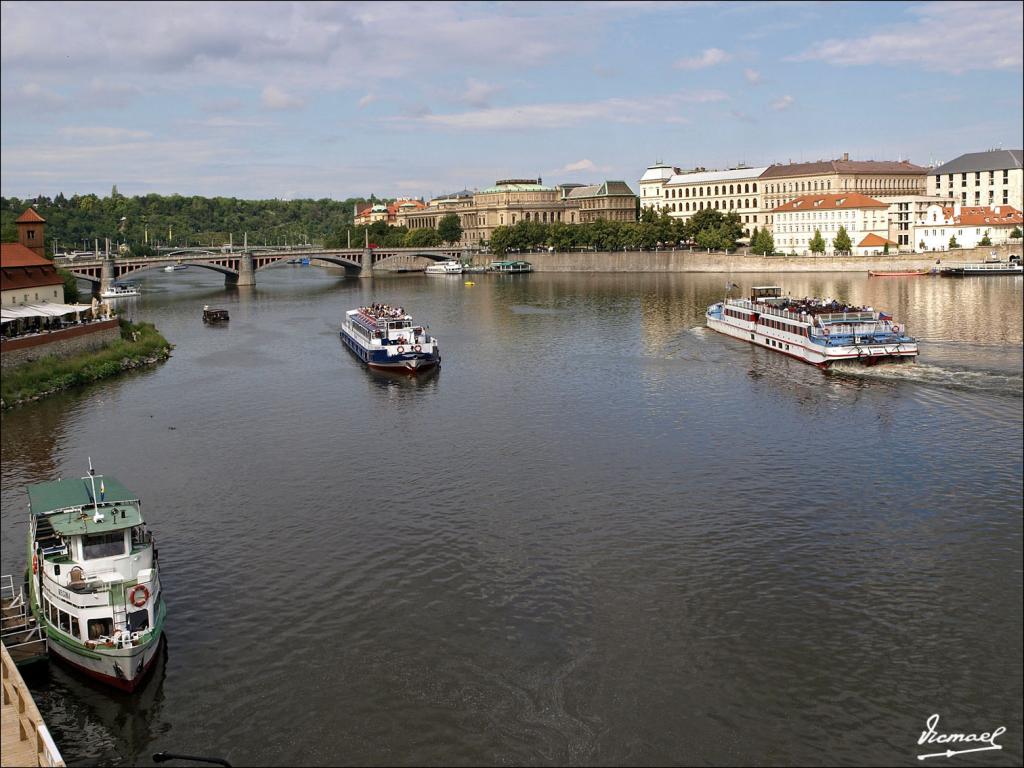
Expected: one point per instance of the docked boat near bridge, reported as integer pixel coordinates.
(93, 583)
(818, 332)
(385, 339)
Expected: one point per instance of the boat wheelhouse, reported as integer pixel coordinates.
(93, 582)
(510, 267)
(385, 339)
(815, 331)
(444, 268)
(213, 316)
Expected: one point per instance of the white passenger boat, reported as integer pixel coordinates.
(385, 339)
(93, 584)
(444, 268)
(812, 330)
(121, 291)
(984, 269)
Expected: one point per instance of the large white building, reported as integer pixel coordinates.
(968, 224)
(981, 179)
(732, 191)
(652, 184)
(865, 219)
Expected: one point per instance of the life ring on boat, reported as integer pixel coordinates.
(35, 564)
(400, 350)
(417, 348)
(895, 329)
(139, 590)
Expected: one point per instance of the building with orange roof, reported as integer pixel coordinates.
(865, 219)
(968, 224)
(26, 276)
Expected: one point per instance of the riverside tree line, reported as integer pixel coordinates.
(138, 224)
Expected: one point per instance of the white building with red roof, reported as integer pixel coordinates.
(865, 220)
(968, 224)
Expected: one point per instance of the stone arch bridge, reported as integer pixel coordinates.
(239, 267)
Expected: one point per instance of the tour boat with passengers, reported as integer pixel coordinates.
(813, 330)
(385, 338)
(93, 584)
(121, 291)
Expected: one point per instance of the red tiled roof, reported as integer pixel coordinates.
(979, 216)
(872, 239)
(30, 214)
(17, 255)
(866, 167)
(830, 202)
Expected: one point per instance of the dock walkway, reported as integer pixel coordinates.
(26, 740)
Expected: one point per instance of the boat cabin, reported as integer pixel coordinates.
(93, 558)
(215, 315)
(765, 292)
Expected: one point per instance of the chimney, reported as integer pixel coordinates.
(846, 156)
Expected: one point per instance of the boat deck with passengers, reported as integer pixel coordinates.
(817, 331)
(385, 338)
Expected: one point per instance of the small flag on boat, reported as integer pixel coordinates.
(103, 490)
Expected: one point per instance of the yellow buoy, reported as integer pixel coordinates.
(470, 282)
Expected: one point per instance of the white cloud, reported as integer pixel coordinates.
(952, 37)
(103, 133)
(367, 100)
(274, 97)
(784, 102)
(32, 96)
(579, 165)
(709, 58)
(752, 75)
(560, 115)
(478, 93)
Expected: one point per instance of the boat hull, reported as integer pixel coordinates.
(123, 668)
(895, 273)
(816, 354)
(379, 359)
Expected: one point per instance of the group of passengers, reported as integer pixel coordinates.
(814, 306)
(383, 310)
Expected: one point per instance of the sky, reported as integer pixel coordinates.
(320, 99)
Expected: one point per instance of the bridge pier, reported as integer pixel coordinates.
(246, 273)
(108, 273)
(366, 267)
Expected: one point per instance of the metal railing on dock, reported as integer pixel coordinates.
(26, 739)
(19, 631)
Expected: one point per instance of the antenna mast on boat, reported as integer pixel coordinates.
(92, 481)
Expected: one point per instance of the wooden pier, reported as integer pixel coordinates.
(26, 740)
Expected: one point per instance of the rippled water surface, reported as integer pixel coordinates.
(601, 534)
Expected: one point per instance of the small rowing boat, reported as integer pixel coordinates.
(898, 272)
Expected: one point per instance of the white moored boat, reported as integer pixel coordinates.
(815, 331)
(384, 338)
(444, 268)
(120, 291)
(93, 584)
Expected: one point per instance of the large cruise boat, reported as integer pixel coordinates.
(93, 583)
(812, 330)
(385, 338)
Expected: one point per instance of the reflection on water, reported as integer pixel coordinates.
(601, 534)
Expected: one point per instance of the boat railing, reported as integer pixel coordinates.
(846, 317)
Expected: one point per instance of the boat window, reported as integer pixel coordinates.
(64, 620)
(103, 545)
(100, 627)
(138, 620)
(75, 628)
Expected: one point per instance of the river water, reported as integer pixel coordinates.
(601, 534)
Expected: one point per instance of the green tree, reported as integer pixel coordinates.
(421, 238)
(71, 294)
(842, 243)
(763, 242)
(817, 244)
(953, 243)
(449, 228)
(1016, 234)
(985, 240)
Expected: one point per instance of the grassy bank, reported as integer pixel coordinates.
(140, 344)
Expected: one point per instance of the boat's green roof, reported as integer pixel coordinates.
(61, 494)
(115, 518)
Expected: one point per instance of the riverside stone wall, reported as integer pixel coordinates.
(702, 261)
(63, 343)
